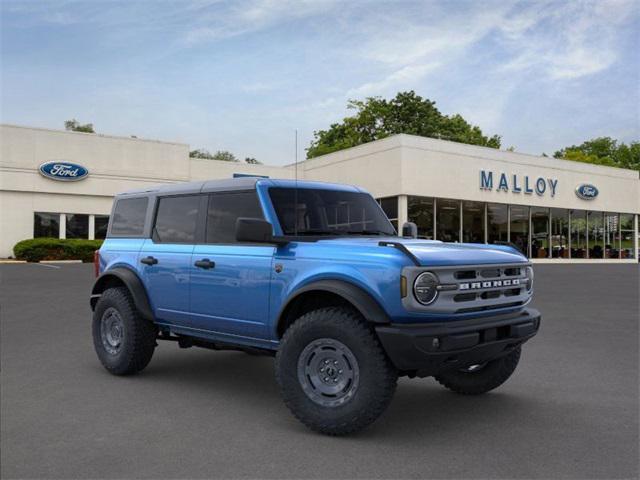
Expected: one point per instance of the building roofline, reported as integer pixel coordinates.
(118, 137)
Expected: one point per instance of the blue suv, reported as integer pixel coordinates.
(315, 275)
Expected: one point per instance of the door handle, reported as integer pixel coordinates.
(205, 263)
(149, 260)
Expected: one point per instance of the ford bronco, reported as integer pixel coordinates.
(315, 275)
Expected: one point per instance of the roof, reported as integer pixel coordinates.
(230, 184)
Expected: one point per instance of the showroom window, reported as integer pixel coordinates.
(519, 228)
(101, 222)
(497, 223)
(578, 234)
(595, 236)
(447, 220)
(420, 212)
(539, 232)
(77, 226)
(559, 233)
(46, 225)
(390, 207)
(473, 222)
(611, 234)
(626, 235)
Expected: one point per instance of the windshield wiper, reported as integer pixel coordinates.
(320, 232)
(370, 232)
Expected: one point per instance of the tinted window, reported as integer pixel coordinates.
(128, 217)
(46, 225)
(77, 226)
(176, 219)
(100, 226)
(224, 210)
(328, 212)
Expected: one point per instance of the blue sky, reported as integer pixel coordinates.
(241, 76)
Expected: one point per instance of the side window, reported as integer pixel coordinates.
(176, 219)
(224, 210)
(128, 217)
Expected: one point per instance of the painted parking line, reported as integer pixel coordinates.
(47, 265)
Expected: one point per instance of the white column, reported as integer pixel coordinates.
(403, 211)
(92, 225)
(63, 225)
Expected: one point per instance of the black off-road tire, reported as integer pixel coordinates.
(376, 379)
(138, 336)
(485, 379)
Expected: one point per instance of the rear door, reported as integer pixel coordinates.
(230, 281)
(165, 258)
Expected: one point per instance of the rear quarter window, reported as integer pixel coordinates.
(128, 217)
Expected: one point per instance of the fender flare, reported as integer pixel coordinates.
(368, 307)
(132, 282)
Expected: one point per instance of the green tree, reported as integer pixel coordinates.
(74, 126)
(604, 151)
(377, 118)
(223, 155)
(252, 161)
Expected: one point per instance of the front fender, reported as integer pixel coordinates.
(131, 280)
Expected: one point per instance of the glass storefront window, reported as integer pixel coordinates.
(46, 225)
(626, 236)
(520, 227)
(578, 234)
(420, 212)
(596, 234)
(77, 226)
(559, 233)
(390, 207)
(100, 226)
(611, 236)
(539, 232)
(448, 220)
(473, 222)
(497, 223)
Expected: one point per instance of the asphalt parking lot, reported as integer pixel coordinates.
(570, 411)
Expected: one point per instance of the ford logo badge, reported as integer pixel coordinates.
(586, 191)
(63, 171)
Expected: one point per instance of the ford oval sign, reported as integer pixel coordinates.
(63, 171)
(586, 191)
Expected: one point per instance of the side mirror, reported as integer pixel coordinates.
(409, 230)
(255, 230)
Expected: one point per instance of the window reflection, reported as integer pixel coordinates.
(578, 234)
(559, 233)
(596, 235)
(497, 223)
(626, 236)
(539, 232)
(611, 235)
(420, 212)
(520, 228)
(473, 222)
(448, 218)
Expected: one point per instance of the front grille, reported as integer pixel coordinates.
(468, 288)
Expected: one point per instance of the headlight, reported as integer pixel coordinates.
(529, 273)
(425, 288)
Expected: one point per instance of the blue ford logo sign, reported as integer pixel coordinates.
(63, 171)
(586, 191)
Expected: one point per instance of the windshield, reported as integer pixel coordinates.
(328, 212)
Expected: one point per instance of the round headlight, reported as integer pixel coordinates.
(425, 288)
(529, 273)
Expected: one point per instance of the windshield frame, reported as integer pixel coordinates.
(373, 214)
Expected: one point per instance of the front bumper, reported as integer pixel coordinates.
(428, 349)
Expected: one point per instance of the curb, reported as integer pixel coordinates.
(8, 261)
(60, 261)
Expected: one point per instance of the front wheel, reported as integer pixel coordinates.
(478, 379)
(332, 372)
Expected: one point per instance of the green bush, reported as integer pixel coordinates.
(36, 249)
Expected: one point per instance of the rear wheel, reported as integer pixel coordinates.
(123, 340)
(333, 373)
(481, 378)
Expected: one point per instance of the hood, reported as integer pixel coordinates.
(436, 253)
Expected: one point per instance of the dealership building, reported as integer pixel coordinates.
(61, 184)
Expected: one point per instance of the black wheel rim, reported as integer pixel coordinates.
(111, 331)
(328, 372)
